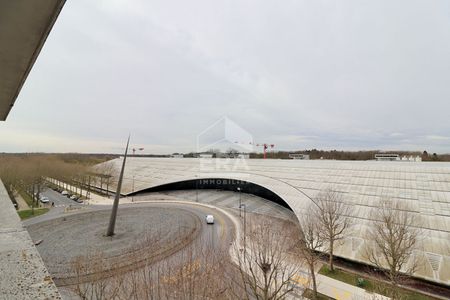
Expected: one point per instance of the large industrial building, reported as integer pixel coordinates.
(423, 186)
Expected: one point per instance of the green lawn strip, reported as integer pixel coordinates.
(309, 294)
(370, 284)
(25, 214)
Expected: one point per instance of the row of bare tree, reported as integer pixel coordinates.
(274, 258)
(391, 240)
(29, 173)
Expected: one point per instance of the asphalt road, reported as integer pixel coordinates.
(61, 203)
(58, 199)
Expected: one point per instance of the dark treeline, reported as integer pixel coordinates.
(92, 159)
(327, 154)
(81, 158)
(352, 155)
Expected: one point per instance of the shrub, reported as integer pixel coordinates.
(361, 282)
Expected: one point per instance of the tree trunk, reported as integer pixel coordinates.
(331, 256)
(32, 201)
(89, 187)
(313, 277)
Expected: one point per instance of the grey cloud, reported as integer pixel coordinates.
(300, 74)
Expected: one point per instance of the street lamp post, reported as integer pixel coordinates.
(196, 188)
(132, 187)
(245, 227)
(88, 193)
(240, 202)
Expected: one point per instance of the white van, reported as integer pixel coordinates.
(209, 219)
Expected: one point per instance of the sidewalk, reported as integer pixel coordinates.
(22, 204)
(343, 291)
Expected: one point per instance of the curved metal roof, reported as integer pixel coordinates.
(423, 186)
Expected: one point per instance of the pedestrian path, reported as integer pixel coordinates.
(343, 291)
(22, 204)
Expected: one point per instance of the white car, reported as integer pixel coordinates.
(44, 199)
(64, 193)
(209, 219)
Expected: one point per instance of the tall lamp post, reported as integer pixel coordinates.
(112, 219)
(245, 226)
(132, 187)
(196, 188)
(240, 202)
(134, 153)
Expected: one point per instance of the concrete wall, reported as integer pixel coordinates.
(23, 274)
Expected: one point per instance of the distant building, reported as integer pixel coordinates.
(244, 156)
(387, 157)
(412, 158)
(396, 157)
(299, 156)
(206, 155)
(177, 156)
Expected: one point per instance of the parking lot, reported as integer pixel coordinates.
(58, 199)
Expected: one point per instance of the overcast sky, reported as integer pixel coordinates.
(298, 74)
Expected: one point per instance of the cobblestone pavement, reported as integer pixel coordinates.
(65, 238)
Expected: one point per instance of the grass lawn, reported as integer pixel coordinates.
(371, 285)
(309, 294)
(25, 214)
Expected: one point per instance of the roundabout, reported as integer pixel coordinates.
(144, 234)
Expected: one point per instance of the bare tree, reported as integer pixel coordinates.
(106, 173)
(267, 269)
(101, 283)
(333, 216)
(392, 240)
(195, 272)
(311, 243)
